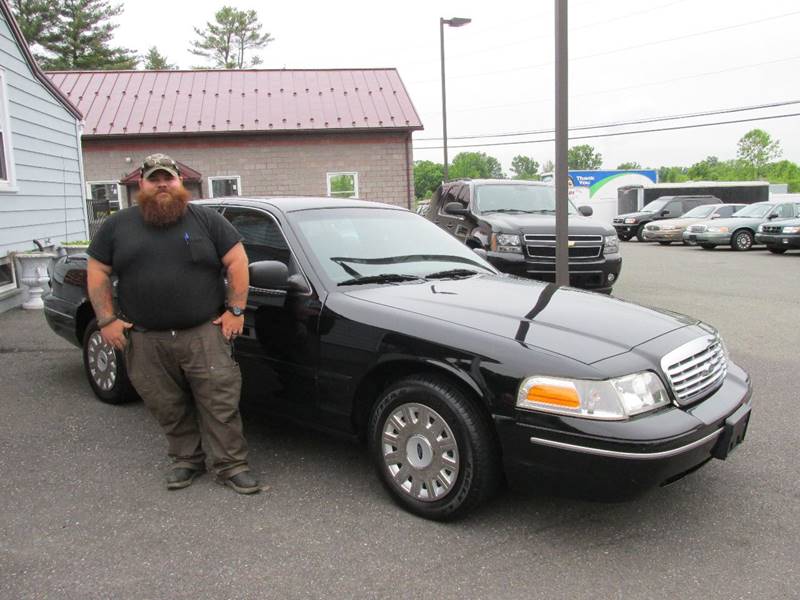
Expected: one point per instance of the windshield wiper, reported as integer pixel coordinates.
(380, 278)
(454, 273)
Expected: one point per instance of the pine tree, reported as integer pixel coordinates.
(36, 19)
(155, 61)
(81, 38)
(226, 41)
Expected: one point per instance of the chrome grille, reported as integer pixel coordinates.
(772, 228)
(580, 246)
(695, 369)
(697, 228)
(619, 220)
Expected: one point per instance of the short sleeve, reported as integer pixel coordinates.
(223, 234)
(101, 247)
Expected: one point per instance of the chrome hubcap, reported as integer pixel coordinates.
(102, 362)
(420, 452)
(744, 241)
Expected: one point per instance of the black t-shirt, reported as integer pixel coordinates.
(171, 277)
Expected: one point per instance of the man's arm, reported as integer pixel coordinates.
(98, 280)
(238, 275)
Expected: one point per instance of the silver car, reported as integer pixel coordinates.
(667, 231)
(739, 230)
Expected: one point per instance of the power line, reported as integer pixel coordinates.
(624, 49)
(707, 113)
(617, 133)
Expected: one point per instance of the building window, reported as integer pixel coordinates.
(104, 196)
(343, 185)
(7, 278)
(227, 185)
(8, 181)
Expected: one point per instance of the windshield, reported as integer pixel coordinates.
(382, 246)
(656, 205)
(759, 209)
(700, 212)
(517, 199)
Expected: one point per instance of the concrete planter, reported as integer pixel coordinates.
(32, 271)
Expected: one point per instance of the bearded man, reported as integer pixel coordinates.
(171, 320)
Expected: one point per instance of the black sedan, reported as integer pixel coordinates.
(367, 319)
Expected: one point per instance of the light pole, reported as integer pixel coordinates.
(562, 141)
(454, 22)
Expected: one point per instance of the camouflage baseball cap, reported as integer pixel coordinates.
(159, 162)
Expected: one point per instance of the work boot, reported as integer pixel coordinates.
(243, 483)
(182, 477)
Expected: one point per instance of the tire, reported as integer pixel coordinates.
(441, 485)
(625, 237)
(105, 369)
(776, 250)
(665, 243)
(742, 240)
(640, 232)
(708, 246)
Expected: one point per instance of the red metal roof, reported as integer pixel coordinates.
(225, 101)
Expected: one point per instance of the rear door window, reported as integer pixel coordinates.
(262, 237)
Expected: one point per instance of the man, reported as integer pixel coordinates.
(170, 258)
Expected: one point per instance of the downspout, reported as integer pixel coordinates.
(408, 172)
(82, 179)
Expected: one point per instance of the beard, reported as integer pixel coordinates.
(162, 209)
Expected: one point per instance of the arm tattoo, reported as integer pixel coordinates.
(101, 297)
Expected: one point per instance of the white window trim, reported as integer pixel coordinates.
(10, 184)
(89, 185)
(328, 177)
(238, 179)
(12, 285)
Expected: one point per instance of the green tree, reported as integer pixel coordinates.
(476, 165)
(756, 149)
(227, 41)
(629, 166)
(672, 174)
(524, 167)
(36, 20)
(155, 61)
(583, 157)
(427, 177)
(784, 171)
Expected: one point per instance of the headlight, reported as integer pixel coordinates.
(793, 229)
(630, 220)
(717, 229)
(611, 244)
(506, 242)
(611, 399)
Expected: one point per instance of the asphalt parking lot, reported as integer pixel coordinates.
(85, 513)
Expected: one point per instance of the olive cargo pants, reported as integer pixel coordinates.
(190, 382)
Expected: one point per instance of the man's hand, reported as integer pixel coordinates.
(231, 324)
(114, 333)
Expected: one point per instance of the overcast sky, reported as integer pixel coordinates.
(625, 64)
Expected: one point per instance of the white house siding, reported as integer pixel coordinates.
(45, 149)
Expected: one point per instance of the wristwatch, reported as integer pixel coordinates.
(236, 311)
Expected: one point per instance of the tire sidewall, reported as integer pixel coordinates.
(742, 233)
(417, 392)
(122, 391)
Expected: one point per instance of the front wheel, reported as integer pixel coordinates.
(665, 243)
(105, 369)
(625, 237)
(708, 246)
(432, 448)
(640, 233)
(742, 240)
(776, 250)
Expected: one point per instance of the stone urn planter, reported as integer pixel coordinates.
(32, 270)
(71, 248)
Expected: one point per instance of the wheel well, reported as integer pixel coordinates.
(747, 229)
(82, 317)
(380, 378)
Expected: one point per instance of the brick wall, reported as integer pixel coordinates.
(271, 165)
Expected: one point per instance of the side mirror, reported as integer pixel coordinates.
(665, 213)
(772, 216)
(586, 211)
(455, 208)
(270, 275)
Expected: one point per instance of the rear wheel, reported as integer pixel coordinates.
(776, 250)
(105, 369)
(707, 246)
(742, 240)
(665, 243)
(432, 448)
(625, 237)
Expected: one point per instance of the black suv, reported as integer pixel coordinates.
(663, 207)
(514, 222)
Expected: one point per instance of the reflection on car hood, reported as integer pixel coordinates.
(582, 325)
(543, 223)
(731, 222)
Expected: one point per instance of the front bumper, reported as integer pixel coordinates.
(645, 451)
(626, 230)
(778, 240)
(597, 275)
(707, 237)
(673, 235)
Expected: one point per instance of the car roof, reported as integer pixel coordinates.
(500, 182)
(289, 204)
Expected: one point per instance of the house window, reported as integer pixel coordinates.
(7, 279)
(104, 196)
(228, 185)
(343, 185)
(7, 175)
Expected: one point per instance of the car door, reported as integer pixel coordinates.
(464, 224)
(278, 350)
(782, 211)
(674, 208)
(450, 223)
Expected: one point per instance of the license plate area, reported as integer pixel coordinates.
(733, 433)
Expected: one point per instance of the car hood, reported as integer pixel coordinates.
(733, 222)
(528, 223)
(639, 215)
(679, 222)
(581, 325)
